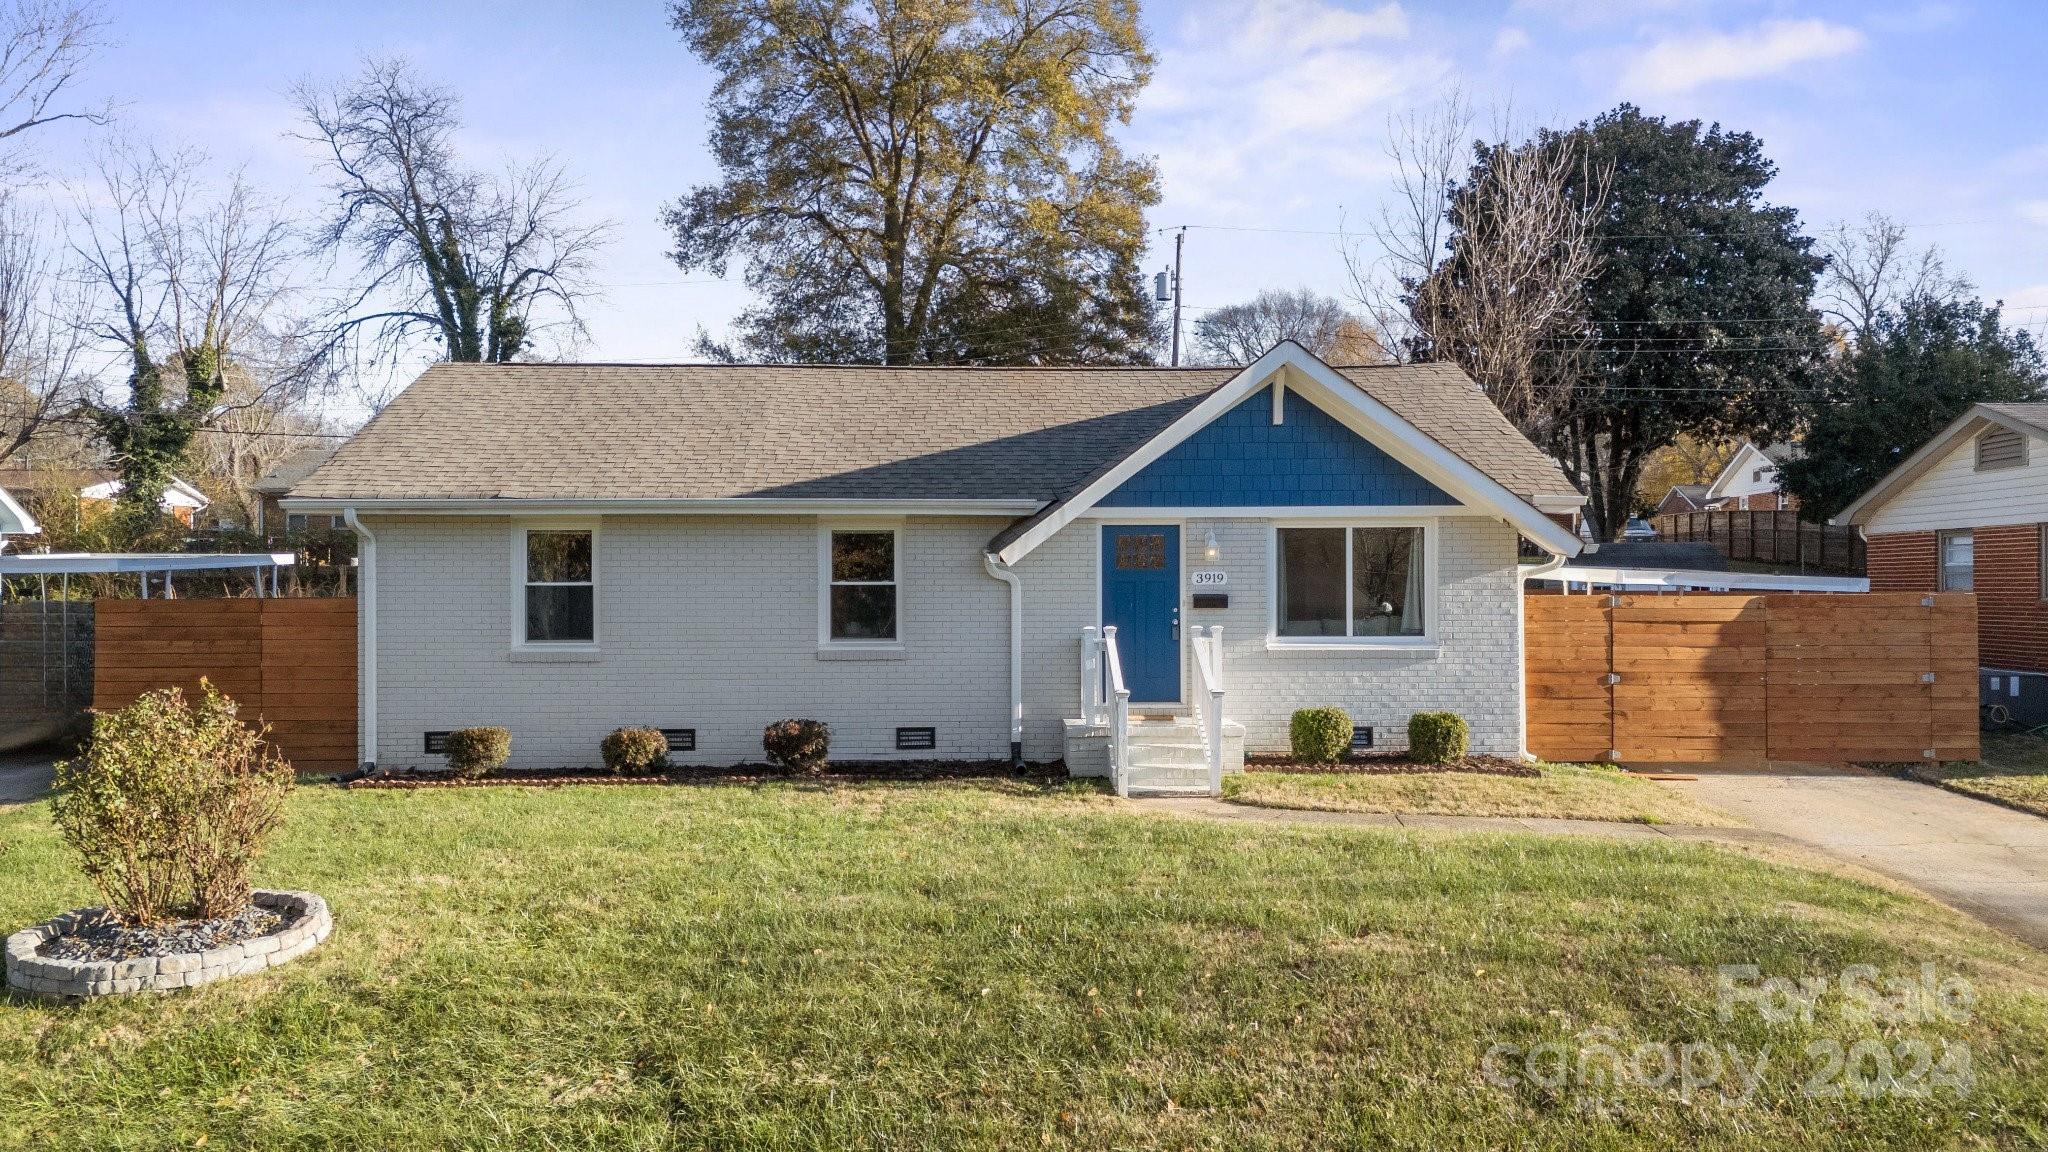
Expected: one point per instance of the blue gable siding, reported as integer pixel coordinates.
(1243, 459)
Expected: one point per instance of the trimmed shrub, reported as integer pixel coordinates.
(798, 745)
(169, 806)
(1438, 737)
(474, 752)
(635, 752)
(1320, 735)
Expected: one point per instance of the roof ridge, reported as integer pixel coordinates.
(854, 367)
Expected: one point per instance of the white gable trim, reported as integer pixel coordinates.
(14, 519)
(1292, 365)
(1734, 468)
(1958, 433)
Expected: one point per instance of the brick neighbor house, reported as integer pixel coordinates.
(1749, 482)
(1969, 513)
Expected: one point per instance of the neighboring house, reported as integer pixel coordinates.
(180, 499)
(1749, 482)
(914, 555)
(1683, 498)
(14, 519)
(271, 518)
(1966, 513)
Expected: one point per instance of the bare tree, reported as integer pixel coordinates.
(43, 46)
(478, 263)
(1410, 236)
(42, 379)
(192, 282)
(1241, 333)
(1481, 256)
(1872, 270)
(1509, 304)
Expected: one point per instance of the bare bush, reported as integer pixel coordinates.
(170, 805)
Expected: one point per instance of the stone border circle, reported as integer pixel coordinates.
(307, 922)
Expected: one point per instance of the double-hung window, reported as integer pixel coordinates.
(1363, 583)
(558, 569)
(1958, 561)
(861, 574)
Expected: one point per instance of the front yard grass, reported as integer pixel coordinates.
(2014, 771)
(989, 965)
(1566, 791)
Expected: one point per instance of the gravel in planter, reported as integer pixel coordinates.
(103, 937)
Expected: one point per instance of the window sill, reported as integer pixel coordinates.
(1429, 648)
(859, 652)
(533, 654)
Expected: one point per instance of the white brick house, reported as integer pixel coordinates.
(939, 561)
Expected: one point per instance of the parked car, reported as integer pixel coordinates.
(1638, 528)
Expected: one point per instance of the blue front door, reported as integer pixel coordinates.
(1141, 600)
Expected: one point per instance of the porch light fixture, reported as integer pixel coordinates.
(1210, 551)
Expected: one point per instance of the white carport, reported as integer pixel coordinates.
(147, 565)
(1588, 577)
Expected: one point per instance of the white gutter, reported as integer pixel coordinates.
(366, 635)
(1526, 573)
(1016, 583)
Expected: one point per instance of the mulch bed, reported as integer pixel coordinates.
(846, 772)
(106, 938)
(1391, 764)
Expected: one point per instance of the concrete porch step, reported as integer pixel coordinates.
(1148, 775)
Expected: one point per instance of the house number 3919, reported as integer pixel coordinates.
(1208, 578)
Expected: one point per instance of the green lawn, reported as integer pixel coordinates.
(1569, 791)
(2014, 770)
(984, 966)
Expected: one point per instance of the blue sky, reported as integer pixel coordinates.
(1264, 114)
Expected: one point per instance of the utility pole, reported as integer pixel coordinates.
(1179, 238)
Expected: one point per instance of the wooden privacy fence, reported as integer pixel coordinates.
(1772, 537)
(1887, 676)
(290, 661)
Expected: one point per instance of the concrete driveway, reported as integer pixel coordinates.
(24, 776)
(1989, 861)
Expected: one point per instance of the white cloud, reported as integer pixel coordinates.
(2034, 211)
(1683, 63)
(1509, 41)
(1301, 87)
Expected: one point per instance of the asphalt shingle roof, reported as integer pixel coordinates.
(610, 431)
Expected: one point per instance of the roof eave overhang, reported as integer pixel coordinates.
(743, 506)
(1358, 409)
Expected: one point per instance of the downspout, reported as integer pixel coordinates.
(366, 635)
(1524, 574)
(1002, 572)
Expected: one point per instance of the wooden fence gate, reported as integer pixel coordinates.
(290, 661)
(1888, 676)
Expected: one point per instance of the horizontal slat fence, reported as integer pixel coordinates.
(1889, 676)
(290, 661)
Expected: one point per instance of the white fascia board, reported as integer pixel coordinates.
(14, 519)
(1930, 454)
(1560, 503)
(1732, 469)
(737, 507)
(1352, 406)
(199, 499)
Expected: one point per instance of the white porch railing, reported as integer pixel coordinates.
(1105, 700)
(1208, 652)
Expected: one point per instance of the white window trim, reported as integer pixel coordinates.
(568, 649)
(1941, 567)
(879, 648)
(1432, 577)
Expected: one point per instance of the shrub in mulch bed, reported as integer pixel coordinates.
(1392, 764)
(841, 772)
